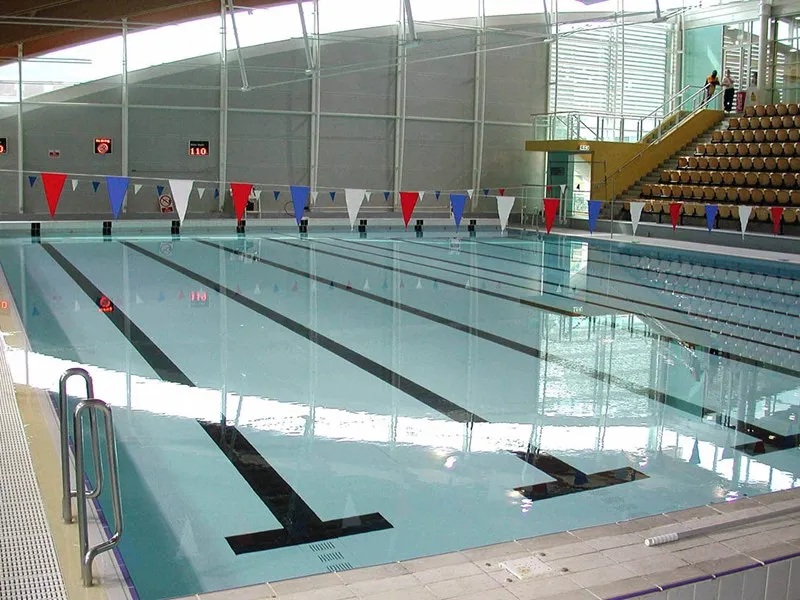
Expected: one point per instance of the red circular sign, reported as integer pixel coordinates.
(102, 148)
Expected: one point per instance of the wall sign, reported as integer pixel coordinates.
(166, 204)
(583, 148)
(54, 153)
(199, 148)
(3, 145)
(102, 145)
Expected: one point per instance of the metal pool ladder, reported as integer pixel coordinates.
(92, 406)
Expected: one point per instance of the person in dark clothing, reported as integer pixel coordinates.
(711, 86)
(728, 85)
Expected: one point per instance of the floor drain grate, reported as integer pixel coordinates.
(322, 546)
(339, 567)
(331, 556)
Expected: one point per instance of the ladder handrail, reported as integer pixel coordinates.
(88, 554)
(63, 409)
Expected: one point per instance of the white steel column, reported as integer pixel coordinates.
(125, 102)
(400, 109)
(316, 94)
(223, 109)
(20, 165)
(763, 37)
(480, 108)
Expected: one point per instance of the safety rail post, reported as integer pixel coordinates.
(63, 411)
(88, 554)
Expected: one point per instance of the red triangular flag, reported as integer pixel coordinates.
(241, 193)
(777, 214)
(675, 213)
(550, 211)
(408, 200)
(53, 184)
(502, 191)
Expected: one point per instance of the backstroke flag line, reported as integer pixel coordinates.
(117, 187)
(181, 188)
(53, 185)
(504, 206)
(300, 195)
(636, 214)
(458, 202)
(354, 199)
(240, 193)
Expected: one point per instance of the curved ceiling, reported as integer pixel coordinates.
(45, 25)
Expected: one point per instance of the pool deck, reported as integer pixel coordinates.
(605, 562)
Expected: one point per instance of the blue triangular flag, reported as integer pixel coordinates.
(35, 311)
(216, 194)
(438, 193)
(386, 195)
(95, 185)
(299, 199)
(32, 179)
(333, 196)
(277, 194)
(711, 215)
(160, 189)
(457, 202)
(594, 212)
(695, 457)
(485, 191)
(117, 187)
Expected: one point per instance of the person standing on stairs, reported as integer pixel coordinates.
(711, 85)
(728, 85)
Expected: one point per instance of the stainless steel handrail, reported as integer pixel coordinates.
(63, 410)
(88, 554)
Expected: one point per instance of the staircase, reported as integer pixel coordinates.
(654, 176)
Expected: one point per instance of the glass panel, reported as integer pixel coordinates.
(9, 80)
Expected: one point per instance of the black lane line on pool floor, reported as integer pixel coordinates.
(558, 295)
(300, 524)
(767, 441)
(737, 358)
(569, 480)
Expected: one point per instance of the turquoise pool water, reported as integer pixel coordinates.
(290, 405)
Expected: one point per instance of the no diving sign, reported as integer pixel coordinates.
(165, 203)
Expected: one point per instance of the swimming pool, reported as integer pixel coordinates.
(290, 405)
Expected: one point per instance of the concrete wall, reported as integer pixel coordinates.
(270, 126)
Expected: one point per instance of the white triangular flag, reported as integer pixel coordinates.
(419, 283)
(744, 216)
(636, 214)
(258, 194)
(257, 291)
(354, 199)
(421, 195)
(469, 193)
(181, 188)
(77, 306)
(314, 197)
(200, 192)
(74, 184)
(366, 285)
(562, 186)
(137, 187)
(139, 299)
(504, 206)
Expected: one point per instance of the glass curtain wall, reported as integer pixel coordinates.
(786, 60)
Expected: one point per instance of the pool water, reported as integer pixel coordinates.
(290, 405)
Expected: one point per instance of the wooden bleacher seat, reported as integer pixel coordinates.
(724, 163)
(771, 109)
(694, 177)
(730, 149)
(789, 179)
(783, 197)
(697, 192)
(796, 123)
(727, 178)
(648, 207)
(760, 135)
(770, 196)
(716, 136)
(796, 149)
(775, 121)
(719, 193)
(735, 163)
(724, 212)
(699, 210)
(776, 179)
(716, 177)
(743, 195)
(751, 178)
(727, 136)
(787, 122)
(747, 163)
(793, 108)
(744, 122)
(702, 162)
(731, 194)
(708, 193)
(763, 179)
(665, 176)
(734, 212)
(776, 149)
(740, 178)
(738, 136)
(790, 215)
(788, 149)
(683, 176)
(693, 162)
(782, 135)
(761, 110)
(764, 149)
(758, 163)
(794, 134)
(705, 177)
(756, 195)
(700, 149)
(720, 149)
(686, 191)
(752, 149)
(762, 214)
(647, 190)
(764, 122)
(782, 109)
(770, 163)
(794, 162)
(771, 135)
(748, 136)
(713, 163)
(675, 191)
(674, 176)
(795, 196)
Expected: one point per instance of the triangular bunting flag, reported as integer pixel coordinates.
(200, 192)
(300, 195)
(160, 189)
(53, 185)
(470, 193)
(277, 194)
(504, 206)
(594, 213)
(32, 179)
(353, 199)
(314, 197)
(502, 191)
(636, 214)
(675, 213)
(550, 212)
(116, 187)
(386, 196)
(563, 187)
(485, 191)
(257, 194)
(96, 185)
(216, 193)
(777, 214)
(408, 200)
(181, 188)
(74, 184)
(240, 193)
(333, 196)
(136, 188)
(437, 193)
(457, 203)
(711, 215)
(257, 291)
(744, 217)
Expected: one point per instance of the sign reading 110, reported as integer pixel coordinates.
(199, 148)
